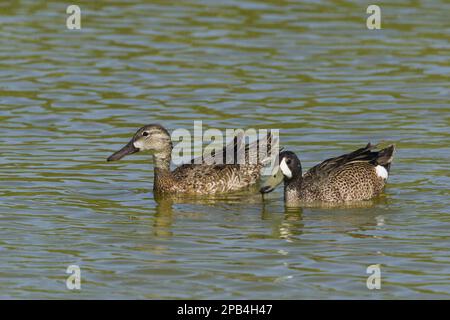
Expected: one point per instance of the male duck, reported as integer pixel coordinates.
(203, 178)
(359, 175)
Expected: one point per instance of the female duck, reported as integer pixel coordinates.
(191, 178)
(360, 175)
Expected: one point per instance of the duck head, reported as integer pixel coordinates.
(152, 137)
(290, 165)
(288, 170)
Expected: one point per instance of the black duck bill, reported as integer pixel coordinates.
(272, 181)
(128, 149)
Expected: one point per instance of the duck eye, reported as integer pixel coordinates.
(288, 161)
(145, 133)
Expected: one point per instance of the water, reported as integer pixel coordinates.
(68, 99)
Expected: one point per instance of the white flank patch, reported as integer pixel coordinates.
(381, 172)
(285, 169)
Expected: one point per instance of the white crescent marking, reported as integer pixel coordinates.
(285, 169)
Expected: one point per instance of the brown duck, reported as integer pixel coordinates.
(193, 178)
(359, 175)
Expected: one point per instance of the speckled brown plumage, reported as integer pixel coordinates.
(206, 179)
(349, 177)
(202, 178)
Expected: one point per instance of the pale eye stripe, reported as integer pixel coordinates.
(285, 169)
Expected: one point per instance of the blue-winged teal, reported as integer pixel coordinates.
(359, 175)
(203, 178)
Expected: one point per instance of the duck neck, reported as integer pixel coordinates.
(162, 167)
(162, 160)
(292, 189)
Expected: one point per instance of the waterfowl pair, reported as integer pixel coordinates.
(359, 175)
(195, 178)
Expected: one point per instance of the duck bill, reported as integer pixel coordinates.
(128, 149)
(272, 181)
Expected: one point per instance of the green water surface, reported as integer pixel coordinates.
(69, 98)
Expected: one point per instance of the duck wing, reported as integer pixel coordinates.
(216, 178)
(229, 154)
(326, 168)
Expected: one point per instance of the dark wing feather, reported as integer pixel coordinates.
(382, 157)
(228, 155)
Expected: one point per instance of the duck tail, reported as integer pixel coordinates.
(385, 157)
